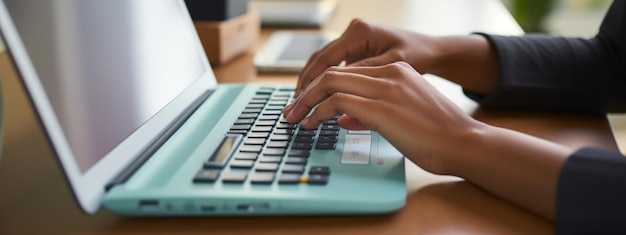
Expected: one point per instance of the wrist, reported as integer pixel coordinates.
(469, 61)
(471, 145)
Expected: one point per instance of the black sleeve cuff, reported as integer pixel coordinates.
(591, 194)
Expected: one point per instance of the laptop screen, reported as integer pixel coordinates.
(107, 66)
(106, 78)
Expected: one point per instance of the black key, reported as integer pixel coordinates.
(252, 110)
(277, 102)
(306, 132)
(274, 152)
(255, 106)
(259, 134)
(266, 167)
(326, 127)
(303, 139)
(265, 90)
(325, 145)
(289, 179)
(299, 153)
(275, 108)
(262, 128)
(327, 139)
(248, 116)
(293, 168)
(266, 123)
(296, 160)
(273, 112)
(246, 156)
(319, 170)
(206, 176)
(269, 117)
(262, 178)
(318, 179)
(261, 97)
(251, 148)
(280, 137)
(277, 144)
(254, 141)
(283, 132)
(240, 127)
(282, 125)
(326, 133)
(244, 121)
(330, 122)
(238, 132)
(234, 177)
(283, 120)
(245, 164)
(306, 146)
(270, 159)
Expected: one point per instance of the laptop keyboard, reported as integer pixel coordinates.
(273, 151)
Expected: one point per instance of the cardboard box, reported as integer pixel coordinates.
(225, 40)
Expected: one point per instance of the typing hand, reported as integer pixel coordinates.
(364, 44)
(394, 100)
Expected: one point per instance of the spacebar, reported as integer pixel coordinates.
(356, 149)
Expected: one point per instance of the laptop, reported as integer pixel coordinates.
(139, 125)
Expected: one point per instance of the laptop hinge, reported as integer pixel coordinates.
(156, 144)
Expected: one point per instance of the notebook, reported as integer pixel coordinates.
(140, 126)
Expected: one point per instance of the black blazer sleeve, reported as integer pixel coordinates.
(580, 75)
(563, 74)
(591, 194)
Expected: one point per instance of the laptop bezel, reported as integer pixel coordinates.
(89, 187)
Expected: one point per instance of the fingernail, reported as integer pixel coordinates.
(289, 115)
(288, 107)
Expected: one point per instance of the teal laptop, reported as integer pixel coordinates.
(140, 126)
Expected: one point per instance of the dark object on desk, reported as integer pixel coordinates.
(216, 10)
(225, 40)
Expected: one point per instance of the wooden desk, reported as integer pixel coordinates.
(34, 198)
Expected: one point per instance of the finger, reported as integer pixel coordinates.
(330, 55)
(372, 71)
(350, 123)
(356, 107)
(335, 81)
(383, 59)
(351, 46)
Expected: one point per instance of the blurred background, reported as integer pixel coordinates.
(578, 18)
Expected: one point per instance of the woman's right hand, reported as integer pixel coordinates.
(364, 44)
(393, 100)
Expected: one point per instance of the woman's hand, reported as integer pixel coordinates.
(394, 100)
(426, 127)
(364, 44)
(467, 60)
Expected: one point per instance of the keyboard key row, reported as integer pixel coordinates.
(291, 174)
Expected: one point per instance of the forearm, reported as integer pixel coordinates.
(515, 166)
(469, 61)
